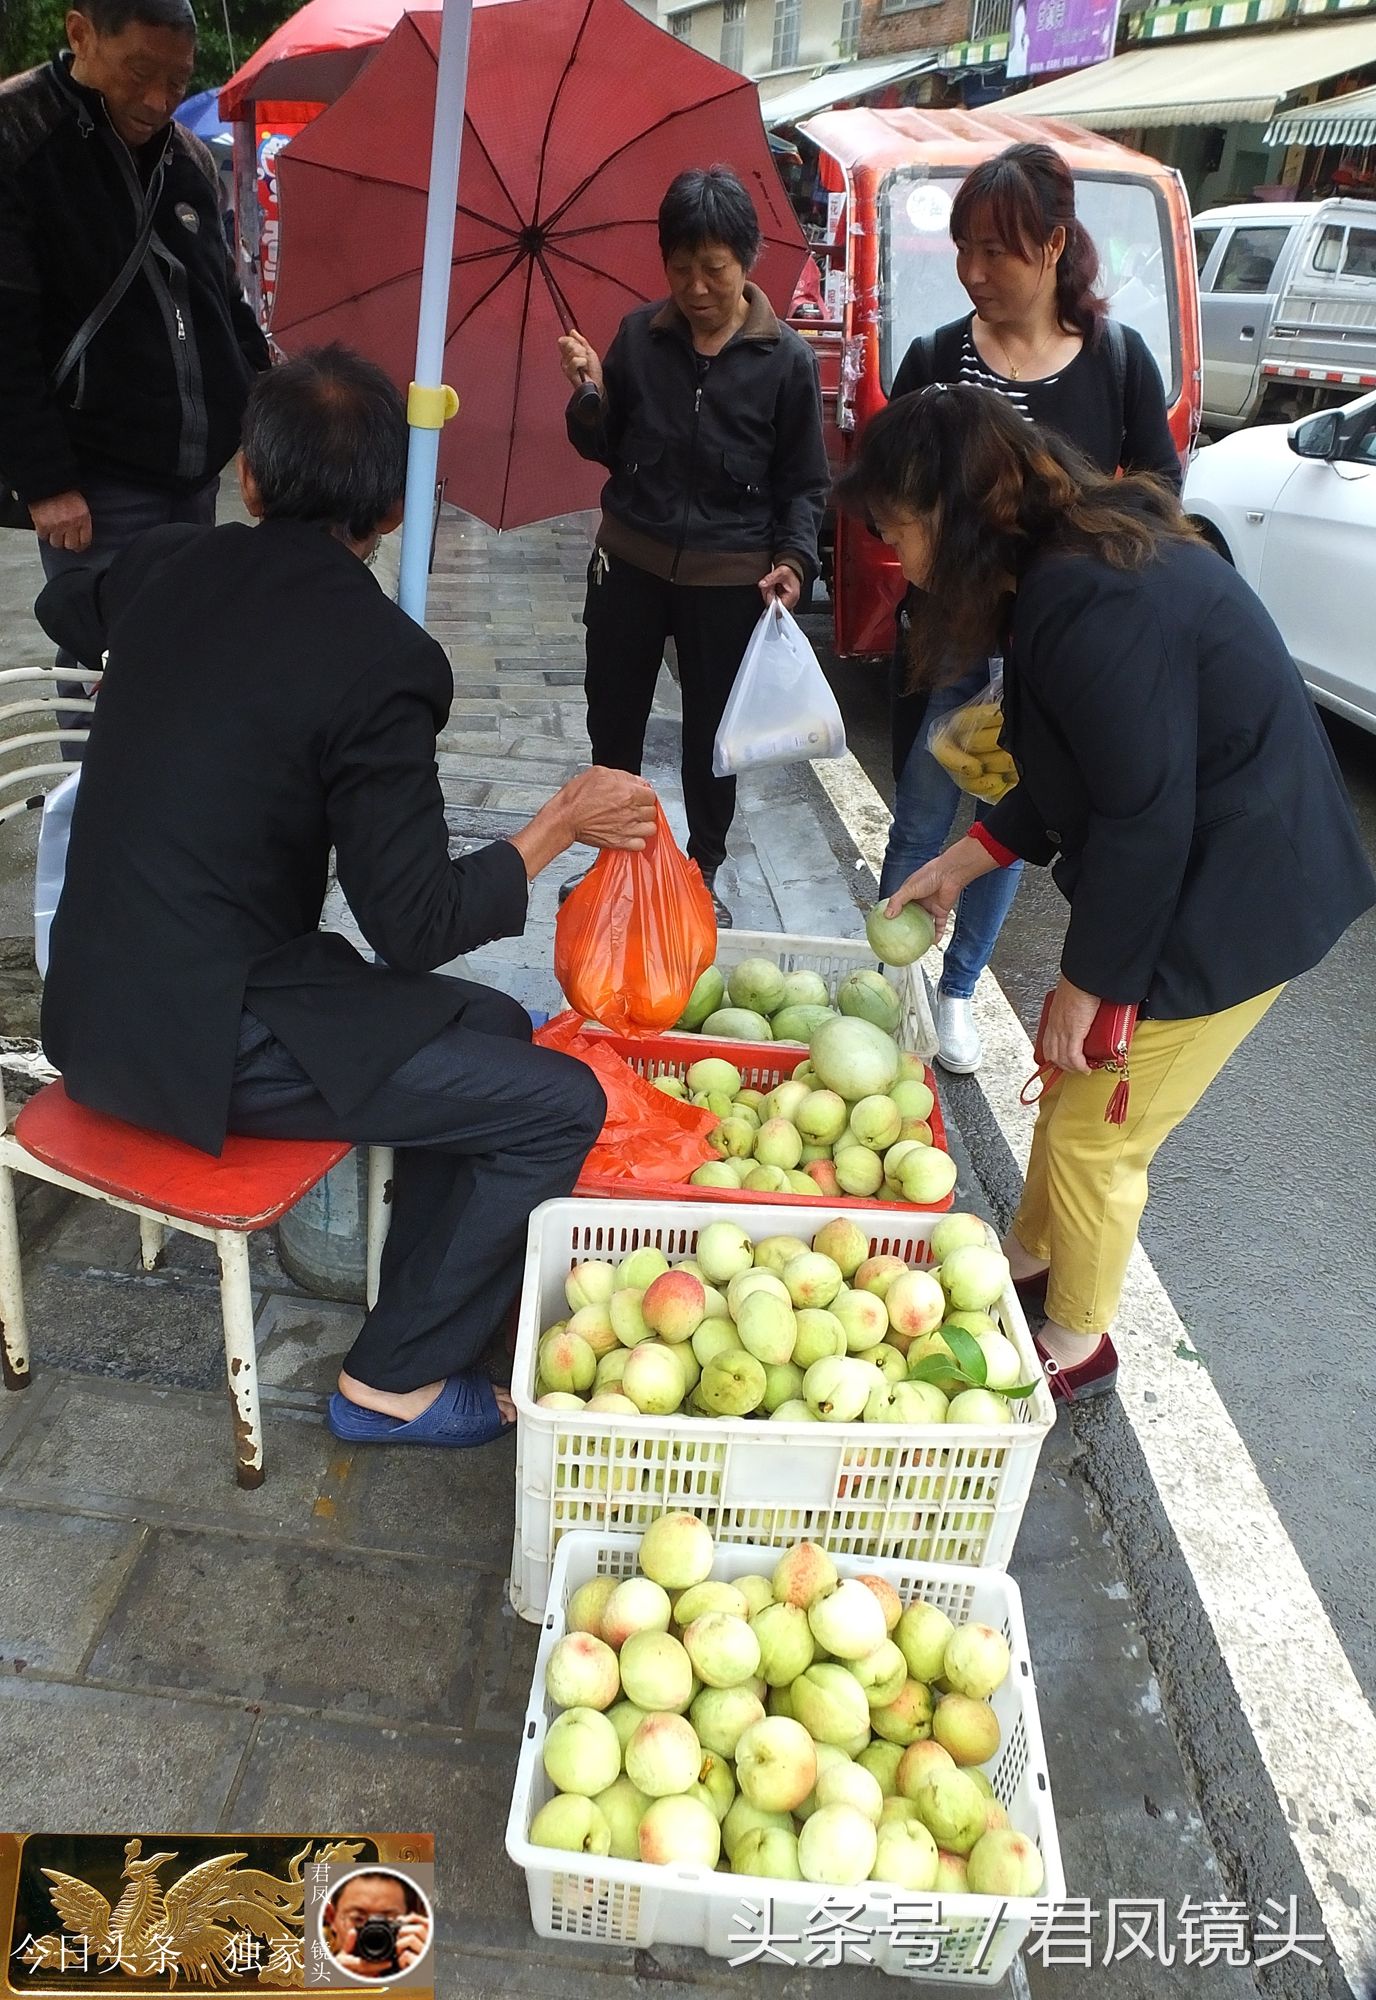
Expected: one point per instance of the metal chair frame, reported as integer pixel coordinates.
(231, 1249)
(41, 704)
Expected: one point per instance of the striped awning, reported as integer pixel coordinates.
(1341, 121)
(1239, 79)
(1163, 23)
(976, 55)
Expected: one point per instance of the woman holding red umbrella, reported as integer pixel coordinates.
(707, 415)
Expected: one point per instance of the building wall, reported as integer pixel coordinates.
(820, 39)
(819, 33)
(891, 28)
(759, 36)
(698, 27)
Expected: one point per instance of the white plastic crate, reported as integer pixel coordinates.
(833, 958)
(968, 1940)
(928, 1493)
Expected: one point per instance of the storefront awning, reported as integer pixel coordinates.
(1341, 121)
(1239, 79)
(839, 85)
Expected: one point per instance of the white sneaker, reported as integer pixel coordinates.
(958, 1046)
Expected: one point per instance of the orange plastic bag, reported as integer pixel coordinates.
(635, 936)
(648, 1136)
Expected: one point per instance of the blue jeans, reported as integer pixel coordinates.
(925, 802)
(121, 511)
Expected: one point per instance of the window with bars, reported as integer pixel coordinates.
(848, 42)
(787, 24)
(682, 25)
(733, 34)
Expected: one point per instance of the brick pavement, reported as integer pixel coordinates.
(336, 1648)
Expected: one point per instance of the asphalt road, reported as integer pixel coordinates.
(1262, 1207)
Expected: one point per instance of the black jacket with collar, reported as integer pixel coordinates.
(722, 460)
(263, 702)
(1173, 772)
(159, 396)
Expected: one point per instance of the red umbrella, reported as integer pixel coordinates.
(579, 113)
(315, 55)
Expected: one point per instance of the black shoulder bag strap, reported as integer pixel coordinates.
(1116, 341)
(128, 271)
(13, 512)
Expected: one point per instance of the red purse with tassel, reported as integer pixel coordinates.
(1106, 1047)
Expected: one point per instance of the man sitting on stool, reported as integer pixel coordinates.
(263, 702)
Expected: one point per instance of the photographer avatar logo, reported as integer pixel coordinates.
(198, 1926)
(377, 1924)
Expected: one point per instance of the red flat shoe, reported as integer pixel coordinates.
(1097, 1375)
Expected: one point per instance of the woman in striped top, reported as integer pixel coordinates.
(1040, 337)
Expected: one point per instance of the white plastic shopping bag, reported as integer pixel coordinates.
(780, 710)
(51, 870)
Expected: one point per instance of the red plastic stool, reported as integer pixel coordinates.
(168, 1185)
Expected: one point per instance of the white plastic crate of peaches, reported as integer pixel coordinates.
(722, 1736)
(873, 1384)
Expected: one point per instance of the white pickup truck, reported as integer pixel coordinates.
(1287, 302)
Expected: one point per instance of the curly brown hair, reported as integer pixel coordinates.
(998, 491)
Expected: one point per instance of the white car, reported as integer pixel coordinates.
(1293, 508)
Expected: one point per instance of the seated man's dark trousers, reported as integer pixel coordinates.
(485, 1128)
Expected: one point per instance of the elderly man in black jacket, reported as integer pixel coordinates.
(128, 346)
(263, 703)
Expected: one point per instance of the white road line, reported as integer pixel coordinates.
(1313, 1726)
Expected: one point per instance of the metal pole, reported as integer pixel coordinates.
(451, 86)
(229, 39)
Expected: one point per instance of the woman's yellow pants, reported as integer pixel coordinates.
(1086, 1181)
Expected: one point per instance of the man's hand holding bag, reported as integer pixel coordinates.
(636, 934)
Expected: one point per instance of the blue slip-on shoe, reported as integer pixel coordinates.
(465, 1412)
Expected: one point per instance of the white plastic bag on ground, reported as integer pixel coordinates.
(780, 710)
(51, 869)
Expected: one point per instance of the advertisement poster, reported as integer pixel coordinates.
(275, 126)
(1049, 36)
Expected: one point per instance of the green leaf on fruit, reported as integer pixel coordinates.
(943, 1373)
(933, 1369)
(968, 1354)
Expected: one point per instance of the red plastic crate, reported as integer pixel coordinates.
(762, 1065)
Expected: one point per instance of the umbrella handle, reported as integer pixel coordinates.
(587, 400)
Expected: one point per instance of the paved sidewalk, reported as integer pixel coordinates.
(336, 1649)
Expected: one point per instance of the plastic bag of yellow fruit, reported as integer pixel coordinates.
(965, 742)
